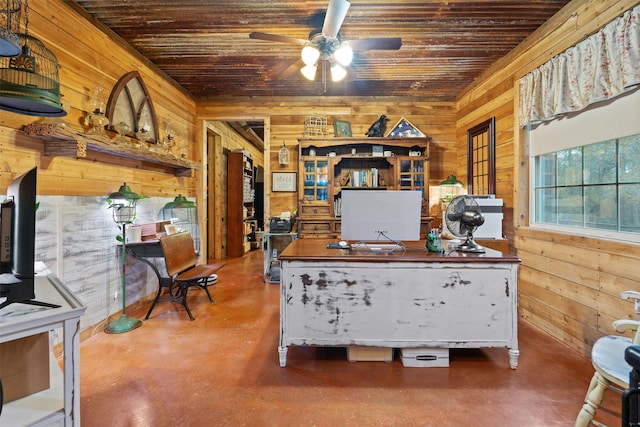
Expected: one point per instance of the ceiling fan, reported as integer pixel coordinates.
(326, 46)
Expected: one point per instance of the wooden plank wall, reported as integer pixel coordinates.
(88, 57)
(285, 123)
(569, 286)
(75, 232)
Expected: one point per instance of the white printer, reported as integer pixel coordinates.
(492, 211)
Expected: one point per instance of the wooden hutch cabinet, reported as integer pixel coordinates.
(327, 166)
(240, 202)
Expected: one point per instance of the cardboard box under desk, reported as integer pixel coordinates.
(424, 357)
(356, 353)
(24, 366)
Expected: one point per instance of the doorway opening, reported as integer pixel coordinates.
(214, 180)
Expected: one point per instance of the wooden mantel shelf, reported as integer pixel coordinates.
(62, 141)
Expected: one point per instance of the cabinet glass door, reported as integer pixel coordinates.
(316, 180)
(412, 176)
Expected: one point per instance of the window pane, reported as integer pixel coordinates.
(601, 207)
(570, 206)
(546, 170)
(629, 149)
(600, 163)
(629, 211)
(570, 166)
(546, 206)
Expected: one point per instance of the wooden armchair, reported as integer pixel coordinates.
(608, 358)
(184, 271)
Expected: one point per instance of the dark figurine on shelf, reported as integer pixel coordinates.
(378, 128)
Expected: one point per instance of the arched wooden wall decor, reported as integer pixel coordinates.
(129, 102)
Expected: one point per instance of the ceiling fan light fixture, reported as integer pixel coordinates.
(344, 55)
(337, 72)
(309, 71)
(310, 55)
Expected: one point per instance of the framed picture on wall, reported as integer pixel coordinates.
(283, 181)
(342, 128)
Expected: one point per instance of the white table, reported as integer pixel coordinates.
(60, 404)
(339, 297)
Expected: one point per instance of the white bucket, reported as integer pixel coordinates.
(134, 234)
(260, 238)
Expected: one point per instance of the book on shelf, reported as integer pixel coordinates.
(364, 178)
(337, 206)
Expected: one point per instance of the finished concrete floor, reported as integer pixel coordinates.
(222, 370)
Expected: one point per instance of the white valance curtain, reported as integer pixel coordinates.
(601, 67)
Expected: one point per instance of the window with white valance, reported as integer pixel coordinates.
(601, 67)
(581, 113)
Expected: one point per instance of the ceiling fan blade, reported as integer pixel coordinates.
(389, 43)
(291, 70)
(276, 38)
(336, 12)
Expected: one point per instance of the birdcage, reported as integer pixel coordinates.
(29, 83)
(315, 126)
(10, 27)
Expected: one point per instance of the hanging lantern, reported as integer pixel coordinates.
(283, 155)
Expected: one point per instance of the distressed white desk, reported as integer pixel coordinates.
(343, 297)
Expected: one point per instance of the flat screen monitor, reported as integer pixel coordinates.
(375, 215)
(17, 286)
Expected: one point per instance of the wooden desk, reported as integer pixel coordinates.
(344, 297)
(60, 404)
(143, 251)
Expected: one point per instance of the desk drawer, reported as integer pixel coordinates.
(314, 227)
(314, 210)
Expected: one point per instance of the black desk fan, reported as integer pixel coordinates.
(462, 217)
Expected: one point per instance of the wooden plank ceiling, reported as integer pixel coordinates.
(204, 45)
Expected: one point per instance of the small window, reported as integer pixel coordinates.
(594, 186)
(481, 158)
(585, 171)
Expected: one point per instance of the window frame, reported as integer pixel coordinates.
(602, 233)
(579, 130)
(488, 127)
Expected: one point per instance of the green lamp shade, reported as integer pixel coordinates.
(180, 202)
(124, 193)
(451, 180)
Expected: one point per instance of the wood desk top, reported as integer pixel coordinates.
(317, 250)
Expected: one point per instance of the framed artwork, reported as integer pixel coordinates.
(404, 129)
(283, 181)
(342, 128)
